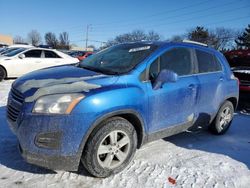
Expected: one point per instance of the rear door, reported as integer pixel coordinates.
(211, 80)
(174, 103)
(52, 59)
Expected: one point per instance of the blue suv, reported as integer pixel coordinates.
(101, 110)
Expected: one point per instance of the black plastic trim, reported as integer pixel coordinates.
(95, 125)
(54, 162)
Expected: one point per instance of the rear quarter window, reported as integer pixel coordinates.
(207, 62)
(50, 54)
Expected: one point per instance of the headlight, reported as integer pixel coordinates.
(57, 104)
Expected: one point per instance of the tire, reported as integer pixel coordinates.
(223, 119)
(115, 139)
(2, 73)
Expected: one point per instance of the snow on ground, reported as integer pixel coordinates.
(192, 159)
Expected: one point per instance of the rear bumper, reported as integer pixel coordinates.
(244, 99)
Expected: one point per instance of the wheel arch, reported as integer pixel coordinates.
(1, 66)
(234, 101)
(130, 115)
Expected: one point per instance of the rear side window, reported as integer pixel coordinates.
(33, 53)
(207, 62)
(178, 60)
(50, 54)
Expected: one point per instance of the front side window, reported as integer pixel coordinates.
(177, 60)
(207, 62)
(33, 54)
(118, 59)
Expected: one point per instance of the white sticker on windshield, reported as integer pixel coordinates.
(139, 49)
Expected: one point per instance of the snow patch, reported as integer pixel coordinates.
(242, 71)
(191, 159)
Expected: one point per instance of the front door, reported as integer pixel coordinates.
(174, 103)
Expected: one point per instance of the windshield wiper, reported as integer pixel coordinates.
(109, 72)
(103, 71)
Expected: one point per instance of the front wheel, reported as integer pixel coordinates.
(223, 119)
(110, 148)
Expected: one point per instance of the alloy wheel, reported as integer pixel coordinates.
(113, 149)
(225, 118)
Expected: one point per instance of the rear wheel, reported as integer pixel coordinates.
(2, 73)
(223, 119)
(110, 148)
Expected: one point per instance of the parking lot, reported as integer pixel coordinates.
(191, 159)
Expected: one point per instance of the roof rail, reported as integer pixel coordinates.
(194, 42)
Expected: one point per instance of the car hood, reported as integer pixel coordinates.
(61, 79)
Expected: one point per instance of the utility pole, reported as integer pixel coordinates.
(87, 35)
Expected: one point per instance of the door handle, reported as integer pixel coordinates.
(38, 61)
(191, 87)
(221, 78)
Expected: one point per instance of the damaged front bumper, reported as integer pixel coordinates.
(55, 162)
(51, 141)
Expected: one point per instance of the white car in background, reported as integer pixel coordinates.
(22, 60)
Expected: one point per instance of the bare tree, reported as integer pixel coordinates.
(244, 39)
(34, 37)
(176, 38)
(19, 40)
(64, 40)
(224, 38)
(134, 36)
(219, 38)
(51, 40)
(153, 36)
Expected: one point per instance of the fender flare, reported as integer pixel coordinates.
(97, 122)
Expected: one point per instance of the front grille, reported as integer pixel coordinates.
(15, 103)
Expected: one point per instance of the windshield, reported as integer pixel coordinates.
(8, 50)
(2, 49)
(118, 59)
(14, 52)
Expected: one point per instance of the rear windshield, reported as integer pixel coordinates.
(118, 59)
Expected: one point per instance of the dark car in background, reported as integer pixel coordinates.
(239, 61)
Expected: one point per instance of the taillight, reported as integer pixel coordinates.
(235, 78)
(238, 81)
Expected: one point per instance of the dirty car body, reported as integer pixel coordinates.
(55, 111)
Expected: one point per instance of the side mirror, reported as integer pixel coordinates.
(21, 56)
(163, 77)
